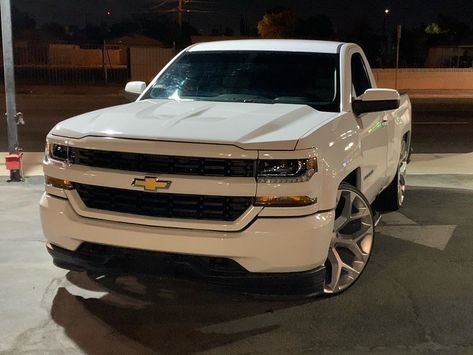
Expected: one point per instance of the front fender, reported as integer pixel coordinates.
(338, 148)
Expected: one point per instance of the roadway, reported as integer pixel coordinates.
(440, 125)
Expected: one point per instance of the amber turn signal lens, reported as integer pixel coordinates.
(59, 183)
(284, 201)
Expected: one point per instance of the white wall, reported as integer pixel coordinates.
(426, 79)
(147, 62)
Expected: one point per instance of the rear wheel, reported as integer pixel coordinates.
(351, 246)
(392, 198)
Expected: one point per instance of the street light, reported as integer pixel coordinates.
(386, 13)
(385, 35)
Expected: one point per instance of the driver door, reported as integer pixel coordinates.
(373, 133)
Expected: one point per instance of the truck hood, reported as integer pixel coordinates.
(246, 125)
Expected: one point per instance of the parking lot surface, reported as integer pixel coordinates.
(414, 297)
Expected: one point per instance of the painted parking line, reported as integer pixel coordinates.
(399, 226)
(396, 218)
(436, 237)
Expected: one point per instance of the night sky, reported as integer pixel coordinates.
(226, 13)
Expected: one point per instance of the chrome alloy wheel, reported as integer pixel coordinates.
(401, 175)
(352, 243)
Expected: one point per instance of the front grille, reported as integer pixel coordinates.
(167, 205)
(163, 164)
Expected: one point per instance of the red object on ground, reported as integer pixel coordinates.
(13, 161)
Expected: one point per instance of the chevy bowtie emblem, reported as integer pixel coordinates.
(150, 183)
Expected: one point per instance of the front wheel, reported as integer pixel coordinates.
(352, 243)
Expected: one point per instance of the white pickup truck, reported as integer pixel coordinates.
(251, 164)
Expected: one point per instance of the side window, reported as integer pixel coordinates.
(359, 76)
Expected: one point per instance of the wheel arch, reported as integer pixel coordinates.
(353, 178)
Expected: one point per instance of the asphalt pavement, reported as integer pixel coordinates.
(413, 298)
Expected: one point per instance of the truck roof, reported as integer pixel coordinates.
(283, 45)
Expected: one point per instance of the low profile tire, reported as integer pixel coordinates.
(351, 246)
(392, 198)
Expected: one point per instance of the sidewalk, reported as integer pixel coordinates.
(439, 94)
(104, 90)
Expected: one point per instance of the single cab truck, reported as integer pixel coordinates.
(253, 162)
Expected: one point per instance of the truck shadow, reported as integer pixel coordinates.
(399, 294)
(156, 315)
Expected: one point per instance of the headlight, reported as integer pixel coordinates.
(282, 171)
(59, 152)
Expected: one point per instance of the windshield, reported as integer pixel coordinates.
(252, 76)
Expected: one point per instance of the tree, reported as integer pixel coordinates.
(434, 29)
(165, 30)
(374, 44)
(124, 28)
(53, 31)
(23, 25)
(447, 30)
(244, 31)
(282, 24)
(316, 27)
(413, 47)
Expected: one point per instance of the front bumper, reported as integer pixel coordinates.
(266, 246)
(216, 271)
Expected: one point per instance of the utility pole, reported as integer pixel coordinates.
(399, 33)
(180, 12)
(180, 7)
(9, 74)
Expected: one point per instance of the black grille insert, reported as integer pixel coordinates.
(167, 205)
(163, 164)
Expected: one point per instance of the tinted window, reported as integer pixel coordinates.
(360, 79)
(251, 76)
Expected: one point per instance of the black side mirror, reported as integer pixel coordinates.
(375, 100)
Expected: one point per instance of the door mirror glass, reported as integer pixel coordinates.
(134, 89)
(375, 100)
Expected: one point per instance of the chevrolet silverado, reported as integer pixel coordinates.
(252, 162)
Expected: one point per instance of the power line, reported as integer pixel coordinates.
(180, 7)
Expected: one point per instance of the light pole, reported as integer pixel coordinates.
(180, 12)
(385, 20)
(398, 42)
(385, 34)
(9, 74)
